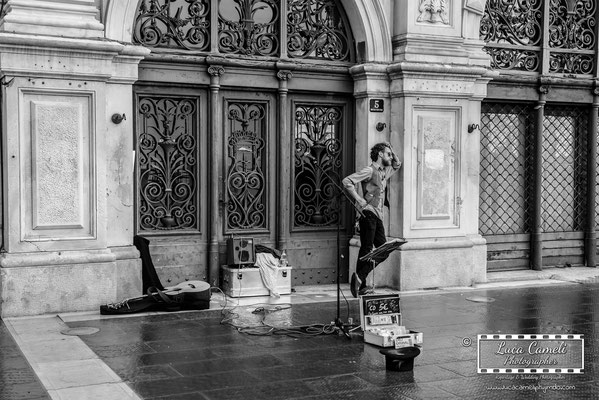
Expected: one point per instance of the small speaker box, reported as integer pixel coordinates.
(240, 250)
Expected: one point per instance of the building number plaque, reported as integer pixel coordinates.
(377, 105)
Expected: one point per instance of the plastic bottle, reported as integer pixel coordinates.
(283, 261)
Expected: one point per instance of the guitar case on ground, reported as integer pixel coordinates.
(188, 295)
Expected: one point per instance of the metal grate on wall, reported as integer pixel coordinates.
(505, 169)
(564, 168)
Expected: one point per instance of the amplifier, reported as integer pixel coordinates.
(240, 250)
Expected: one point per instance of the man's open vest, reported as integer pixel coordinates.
(373, 196)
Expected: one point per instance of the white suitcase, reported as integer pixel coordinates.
(244, 282)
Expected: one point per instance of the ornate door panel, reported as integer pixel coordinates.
(246, 144)
(171, 182)
(249, 164)
(322, 151)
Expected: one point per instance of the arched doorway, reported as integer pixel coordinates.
(244, 123)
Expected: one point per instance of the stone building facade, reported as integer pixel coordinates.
(189, 122)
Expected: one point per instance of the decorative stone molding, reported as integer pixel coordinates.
(368, 22)
(37, 17)
(434, 11)
(441, 81)
(370, 80)
(56, 57)
(475, 6)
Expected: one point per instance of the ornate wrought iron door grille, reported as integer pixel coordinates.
(515, 30)
(564, 168)
(180, 25)
(572, 36)
(168, 160)
(316, 29)
(246, 206)
(249, 27)
(318, 164)
(506, 169)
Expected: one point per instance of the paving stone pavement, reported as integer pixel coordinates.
(201, 355)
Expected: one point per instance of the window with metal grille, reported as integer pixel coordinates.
(269, 28)
(506, 178)
(505, 168)
(515, 31)
(564, 168)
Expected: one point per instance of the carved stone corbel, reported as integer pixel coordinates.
(434, 11)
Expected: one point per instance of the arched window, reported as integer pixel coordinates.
(299, 29)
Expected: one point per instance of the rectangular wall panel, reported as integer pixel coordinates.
(56, 144)
(57, 159)
(437, 185)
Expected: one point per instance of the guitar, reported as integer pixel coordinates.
(191, 290)
(188, 295)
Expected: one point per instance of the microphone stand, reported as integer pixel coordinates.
(340, 191)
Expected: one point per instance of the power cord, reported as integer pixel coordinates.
(265, 329)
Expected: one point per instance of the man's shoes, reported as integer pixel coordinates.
(355, 285)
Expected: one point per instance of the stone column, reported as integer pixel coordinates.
(67, 169)
(536, 235)
(590, 241)
(216, 197)
(120, 171)
(284, 160)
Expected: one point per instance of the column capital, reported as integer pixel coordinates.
(595, 90)
(216, 71)
(284, 75)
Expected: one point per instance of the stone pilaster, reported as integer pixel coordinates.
(437, 79)
(68, 168)
(371, 85)
(373, 122)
